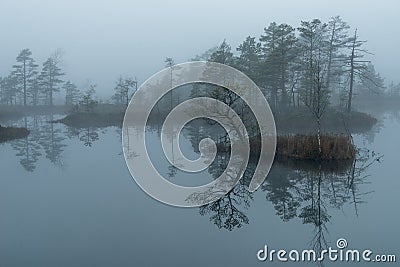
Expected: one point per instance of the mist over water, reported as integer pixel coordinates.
(105, 39)
(68, 70)
(60, 209)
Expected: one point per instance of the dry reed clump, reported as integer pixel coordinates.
(305, 147)
(333, 147)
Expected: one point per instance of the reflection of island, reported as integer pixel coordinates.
(47, 138)
(305, 189)
(44, 139)
(310, 193)
(297, 189)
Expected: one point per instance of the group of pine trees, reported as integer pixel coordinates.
(29, 84)
(124, 89)
(314, 64)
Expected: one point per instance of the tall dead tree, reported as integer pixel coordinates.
(357, 67)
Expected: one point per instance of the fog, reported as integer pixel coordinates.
(73, 172)
(105, 39)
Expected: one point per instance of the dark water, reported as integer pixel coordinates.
(67, 199)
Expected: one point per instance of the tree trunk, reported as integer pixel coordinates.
(351, 73)
(328, 74)
(24, 77)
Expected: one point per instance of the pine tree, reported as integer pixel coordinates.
(269, 81)
(87, 101)
(223, 54)
(24, 71)
(9, 89)
(71, 93)
(249, 57)
(50, 77)
(34, 89)
(124, 90)
(313, 43)
(280, 51)
(371, 82)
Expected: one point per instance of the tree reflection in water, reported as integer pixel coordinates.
(28, 148)
(296, 189)
(44, 137)
(307, 193)
(88, 136)
(48, 139)
(307, 190)
(228, 211)
(52, 141)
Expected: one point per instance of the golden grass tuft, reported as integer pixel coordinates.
(333, 147)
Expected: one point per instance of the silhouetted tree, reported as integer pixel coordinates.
(124, 90)
(9, 89)
(169, 64)
(371, 84)
(71, 93)
(356, 65)
(25, 70)
(279, 52)
(50, 76)
(223, 54)
(249, 58)
(87, 100)
(312, 43)
(34, 88)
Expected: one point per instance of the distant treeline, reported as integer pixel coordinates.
(28, 84)
(315, 64)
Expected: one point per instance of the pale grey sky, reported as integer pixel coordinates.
(103, 39)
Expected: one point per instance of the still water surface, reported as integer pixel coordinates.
(67, 199)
